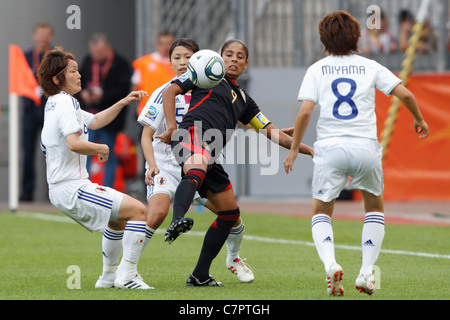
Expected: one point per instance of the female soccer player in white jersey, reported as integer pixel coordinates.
(163, 174)
(343, 86)
(64, 141)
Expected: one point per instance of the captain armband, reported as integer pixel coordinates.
(259, 122)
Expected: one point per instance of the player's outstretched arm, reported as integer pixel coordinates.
(408, 99)
(105, 117)
(301, 123)
(284, 140)
(168, 96)
(75, 144)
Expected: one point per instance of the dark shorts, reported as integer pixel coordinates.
(216, 179)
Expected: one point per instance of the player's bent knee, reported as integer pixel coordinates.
(230, 215)
(132, 209)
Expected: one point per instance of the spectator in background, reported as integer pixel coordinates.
(33, 115)
(153, 70)
(427, 40)
(106, 78)
(380, 40)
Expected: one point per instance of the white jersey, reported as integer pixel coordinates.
(152, 115)
(344, 89)
(63, 116)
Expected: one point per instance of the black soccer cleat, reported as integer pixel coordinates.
(178, 227)
(210, 282)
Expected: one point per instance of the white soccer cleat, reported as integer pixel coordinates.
(364, 283)
(241, 270)
(334, 280)
(136, 283)
(102, 283)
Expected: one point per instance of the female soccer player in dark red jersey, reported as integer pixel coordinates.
(204, 131)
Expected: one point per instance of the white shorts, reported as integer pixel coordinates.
(167, 182)
(338, 159)
(87, 203)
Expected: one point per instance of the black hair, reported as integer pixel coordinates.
(229, 42)
(184, 42)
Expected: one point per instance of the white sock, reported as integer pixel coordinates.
(133, 244)
(234, 242)
(371, 239)
(111, 251)
(148, 235)
(322, 233)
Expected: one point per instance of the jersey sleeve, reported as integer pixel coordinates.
(88, 117)
(386, 81)
(253, 115)
(309, 87)
(67, 117)
(184, 83)
(153, 113)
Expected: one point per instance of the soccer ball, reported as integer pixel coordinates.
(206, 69)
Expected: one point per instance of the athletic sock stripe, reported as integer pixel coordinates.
(149, 233)
(196, 172)
(118, 235)
(239, 230)
(320, 219)
(229, 217)
(374, 219)
(137, 227)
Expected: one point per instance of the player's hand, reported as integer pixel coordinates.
(104, 155)
(150, 174)
(422, 128)
(166, 137)
(288, 131)
(134, 95)
(289, 161)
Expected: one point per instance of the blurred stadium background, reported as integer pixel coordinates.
(283, 41)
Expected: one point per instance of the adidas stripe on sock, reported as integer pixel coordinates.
(234, 242)
(371, 239)
(322, 233)
(111, 249)
(149, 232)
(133, 240)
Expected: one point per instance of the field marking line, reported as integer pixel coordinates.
(64, 219)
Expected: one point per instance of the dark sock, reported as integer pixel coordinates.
(215, 237)
(186, 191)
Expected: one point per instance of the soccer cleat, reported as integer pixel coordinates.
(210, 282)
(334, 280)
(137, 283)
(241, 270)
(178, 227)
(364, 283)
(102, 283)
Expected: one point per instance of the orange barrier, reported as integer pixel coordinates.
(419, 169)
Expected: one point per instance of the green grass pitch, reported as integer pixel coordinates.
(35, 255)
